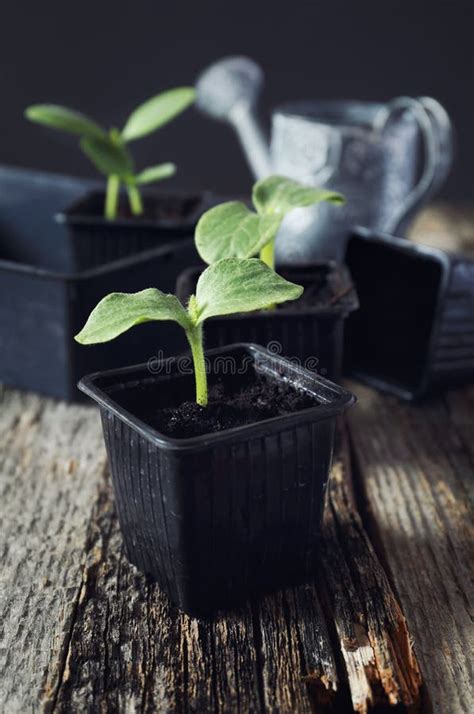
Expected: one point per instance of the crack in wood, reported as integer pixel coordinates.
(371, 628)
(412, 467)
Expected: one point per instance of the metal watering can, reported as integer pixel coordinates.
(368, 151)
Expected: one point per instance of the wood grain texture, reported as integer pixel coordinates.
(381, 668)
(48, 485)
(94, 635)
(416, 472)
(130, 650)
(298, 671)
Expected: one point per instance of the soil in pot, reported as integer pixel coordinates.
(231, 405)
(321, 290)
(160, 208)
(237, 397)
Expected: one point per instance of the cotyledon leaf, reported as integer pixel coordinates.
(118, 312)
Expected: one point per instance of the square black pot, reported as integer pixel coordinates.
(94, 240)
(41, 310)
(414, 330)
(29, 200)
(222, 516)
(311, 335)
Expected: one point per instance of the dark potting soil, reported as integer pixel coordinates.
(156, 208)
(317, 294)
(166, 208)
(261, 399)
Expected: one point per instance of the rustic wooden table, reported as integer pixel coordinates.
(386, 624)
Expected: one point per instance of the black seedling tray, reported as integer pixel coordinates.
(218, 517)
(414, 330)
(29, 201)
(56, 222)
(94, 240)
(41, 310)
(312, 335)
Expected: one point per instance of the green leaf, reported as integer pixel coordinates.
(107, 156)
(155, 173)
(229, 230)
(237, 285)
(277, 194)
(157, 111)
(64, 119)
(118, 312)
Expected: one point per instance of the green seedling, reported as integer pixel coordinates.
(228, 286)
(108, 150)
(232, 230)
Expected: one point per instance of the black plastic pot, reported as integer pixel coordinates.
(311, 335)
(414, 330)
(219, 517)
(95, 240)
(41, 310)
(29, 201)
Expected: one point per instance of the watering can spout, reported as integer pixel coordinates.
(228, 90)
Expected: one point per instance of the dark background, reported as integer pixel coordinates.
(106, 57)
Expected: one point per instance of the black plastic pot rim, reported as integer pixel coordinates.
(350, 303)
(403, 245)
(314, 414)
(99, 270)
(70, 218)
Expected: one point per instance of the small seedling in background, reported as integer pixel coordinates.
(228, 286)
(108, 150)
(232, 230)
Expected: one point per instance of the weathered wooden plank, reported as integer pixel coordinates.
(414, 468)
(51, 460)
(381, 668)
(130, 650)
(460, 405)
(191, 665)
(96, 636)
(91, 632)
(299, 670)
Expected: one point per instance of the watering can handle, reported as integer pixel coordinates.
(436, 130)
